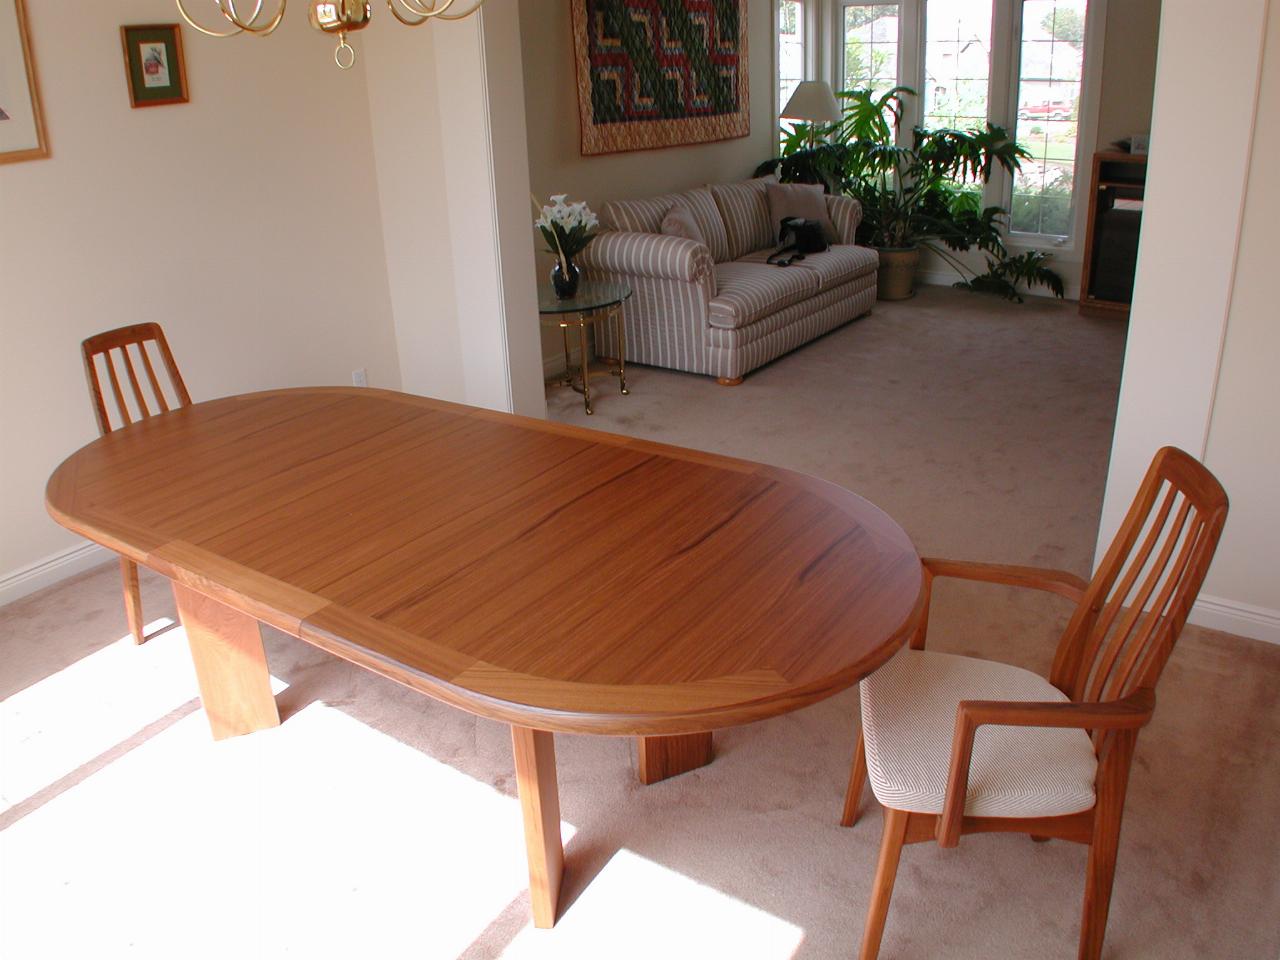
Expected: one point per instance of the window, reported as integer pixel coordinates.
(957, 63)
(1051, 63)
(869, 51)
(791, 50)
(1016, 63)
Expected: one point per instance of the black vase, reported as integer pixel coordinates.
(565, 281)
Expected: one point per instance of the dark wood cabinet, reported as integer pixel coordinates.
(1111, 238)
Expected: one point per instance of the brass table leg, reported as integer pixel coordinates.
(586, 368)
(568, 370)
(622, 349)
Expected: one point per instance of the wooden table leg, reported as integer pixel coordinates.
(231, 665)
(535, 754)
(663, 757)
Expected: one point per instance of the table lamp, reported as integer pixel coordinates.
(812, 102)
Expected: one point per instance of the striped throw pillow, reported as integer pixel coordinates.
(745, 211)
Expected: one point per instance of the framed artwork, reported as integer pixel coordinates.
(21, 121)
(654, 75)
(154, 64)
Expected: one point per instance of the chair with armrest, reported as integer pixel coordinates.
(956, 745)
(110, 352)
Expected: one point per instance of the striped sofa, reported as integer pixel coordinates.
(717, 308)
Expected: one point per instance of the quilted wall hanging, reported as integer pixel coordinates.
(659, 73)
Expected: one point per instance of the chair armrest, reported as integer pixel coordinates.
(1131, 713)
(846, 214)
(652, 255)
(1061, 582)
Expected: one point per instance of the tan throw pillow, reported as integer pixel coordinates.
(805, 200)
(679, 222)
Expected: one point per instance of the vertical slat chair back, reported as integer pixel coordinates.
(1137, 603)
(125, 356)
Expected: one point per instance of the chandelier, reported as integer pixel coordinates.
(332, 16)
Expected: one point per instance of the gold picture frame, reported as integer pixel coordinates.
(154, 64)
(22, 132)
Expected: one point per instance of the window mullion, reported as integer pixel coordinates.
(1002, 106)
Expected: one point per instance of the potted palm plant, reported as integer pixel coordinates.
(923, 195)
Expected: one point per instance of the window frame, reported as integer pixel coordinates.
(1002, 93)
(1086, 129)
(809, 13)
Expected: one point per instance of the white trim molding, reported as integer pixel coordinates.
(1232, 616)
(45, 573)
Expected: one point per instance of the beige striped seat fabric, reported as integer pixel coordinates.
(908, 718)
(744, 208)
(745, 293)
(717, 308)
(835, 266)
(645, 216)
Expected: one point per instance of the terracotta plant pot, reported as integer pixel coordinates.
(896, 279)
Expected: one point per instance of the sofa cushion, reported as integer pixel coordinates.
(636, 216)
(679, 222)
(745, 211)
(834, 266)
(707, 216)
(806, 201)
(747, 292)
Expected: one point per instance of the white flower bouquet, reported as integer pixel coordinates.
(566, 227)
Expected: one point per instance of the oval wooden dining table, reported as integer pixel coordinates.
(553, 578)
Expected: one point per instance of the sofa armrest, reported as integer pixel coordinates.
(652, 255)
(846, 214)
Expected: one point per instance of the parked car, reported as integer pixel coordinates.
(1047, 110)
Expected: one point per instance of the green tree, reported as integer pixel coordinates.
(1066, 25)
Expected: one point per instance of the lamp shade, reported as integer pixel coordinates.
(812, 101)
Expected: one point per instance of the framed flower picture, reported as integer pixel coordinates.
(21, 120)
(154, 64)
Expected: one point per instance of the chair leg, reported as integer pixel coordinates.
(132, 599)
(895, 834)
(857, 780)
(1113, 779)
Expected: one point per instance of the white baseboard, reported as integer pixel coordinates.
(45, 573)
(1242, 619)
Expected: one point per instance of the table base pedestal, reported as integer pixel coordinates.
(661, 758)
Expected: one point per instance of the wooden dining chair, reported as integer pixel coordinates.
(121, 354)
(956, 745)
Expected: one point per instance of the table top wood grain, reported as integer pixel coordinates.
(535, 573)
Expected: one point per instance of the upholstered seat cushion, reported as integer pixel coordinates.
(747, 292)
(834, 267)
(908, 718)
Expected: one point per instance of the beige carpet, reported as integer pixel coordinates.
(377, 823)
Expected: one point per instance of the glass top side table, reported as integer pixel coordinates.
(595, 301)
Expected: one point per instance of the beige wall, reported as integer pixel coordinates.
(551, 117)
(1128, 69)
(1243, 433)
(456, 220)
(1199, 367)
(245, 221)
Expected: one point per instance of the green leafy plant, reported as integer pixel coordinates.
(925, 194)
(1004, 275)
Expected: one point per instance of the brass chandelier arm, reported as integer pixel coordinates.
(227, 10)
(419, 12)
